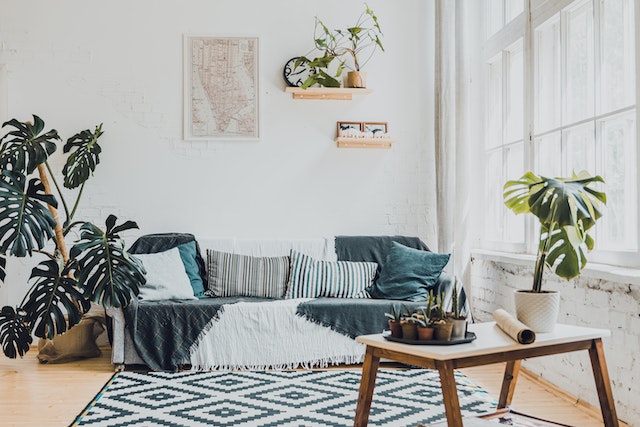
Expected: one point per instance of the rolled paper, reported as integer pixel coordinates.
(513, 327)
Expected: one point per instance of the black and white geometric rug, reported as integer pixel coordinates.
(274, 398)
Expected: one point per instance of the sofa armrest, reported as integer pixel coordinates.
(118, 325)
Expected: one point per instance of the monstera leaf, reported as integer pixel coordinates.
(26, 147)
(106, 272)
(14, 334)
(3, 267)
(83, 160)
(54, 294)
(25, 221)
(567, 209)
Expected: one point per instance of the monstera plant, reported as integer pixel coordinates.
(567, 209)
(97, 268)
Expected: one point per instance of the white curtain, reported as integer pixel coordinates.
(458, 127)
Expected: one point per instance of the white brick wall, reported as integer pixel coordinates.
(585, 301)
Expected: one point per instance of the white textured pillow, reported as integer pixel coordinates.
(310, 278)
(166, 277)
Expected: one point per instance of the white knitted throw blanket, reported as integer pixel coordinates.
(269, 335)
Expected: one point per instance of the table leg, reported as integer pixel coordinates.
(603, 384)
(449, 393)
(509, 383)
(367, 383)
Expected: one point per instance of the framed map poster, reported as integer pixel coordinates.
(221, 88)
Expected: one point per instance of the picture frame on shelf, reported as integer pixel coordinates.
(344, 129)
(375, 127)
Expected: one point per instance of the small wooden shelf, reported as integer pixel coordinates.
(333, 93)
(365, 142)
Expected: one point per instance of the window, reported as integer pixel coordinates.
(561, 97)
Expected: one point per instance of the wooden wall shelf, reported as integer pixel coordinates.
(329, 93)
(365, 142)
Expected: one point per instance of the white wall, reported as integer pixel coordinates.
(79, 63)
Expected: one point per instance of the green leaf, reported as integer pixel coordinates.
(54, 295)
(567, 207)
(25, 220)
(24, 148)
(108, 274)
(14, 334)
(3, 267)
(84, 158)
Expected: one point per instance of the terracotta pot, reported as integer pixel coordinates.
(426, 333)
(538, 310)
(357, 79)
(409, 331)
(395, 328)
(459, 330)
(443, 331)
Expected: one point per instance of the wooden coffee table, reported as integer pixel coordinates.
(491, 346)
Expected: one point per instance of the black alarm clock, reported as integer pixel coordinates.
(296, 76)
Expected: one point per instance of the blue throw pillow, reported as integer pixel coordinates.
(409, 274)
(188, 256)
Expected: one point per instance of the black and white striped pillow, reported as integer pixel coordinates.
(232, 275)
(310, 278)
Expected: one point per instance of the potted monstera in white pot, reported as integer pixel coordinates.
(567, 209)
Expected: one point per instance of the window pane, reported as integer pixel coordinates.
(493, 107)
(494, 19)
(580, 63)
(547, 76)
(617, 55)
(549, 155)
(514, 224)
(515, 94)
(580, 149)
(513, 8)
(619, 224)
(493, 196)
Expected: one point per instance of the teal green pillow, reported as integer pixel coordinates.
(408, 274)
(188, 256)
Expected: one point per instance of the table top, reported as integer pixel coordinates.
(490, 340)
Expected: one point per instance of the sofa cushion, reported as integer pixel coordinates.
(188, 254)
(310, 278)
(160, 242)
(409, 274)
(232, 275)
(166, 277)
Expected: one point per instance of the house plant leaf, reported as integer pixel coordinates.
(26, 147)
(14, 334)
(25, 221)
(54, 295)
(84, 157)
(106, 272)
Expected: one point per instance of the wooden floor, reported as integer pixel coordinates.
(52, 395)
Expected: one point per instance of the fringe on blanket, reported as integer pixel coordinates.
(270, 335)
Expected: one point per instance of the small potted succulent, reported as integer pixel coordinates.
(457, 317)
(443, 328)
(410, 327)
(395, 318)
(425, 327)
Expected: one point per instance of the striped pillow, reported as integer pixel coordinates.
(310, 278)
(232, 275)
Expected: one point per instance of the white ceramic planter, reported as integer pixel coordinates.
(537, 310)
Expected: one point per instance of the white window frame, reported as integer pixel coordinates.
(524, 26)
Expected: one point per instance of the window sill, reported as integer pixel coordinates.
(592, 270)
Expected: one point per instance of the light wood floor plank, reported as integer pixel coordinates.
(35, 395)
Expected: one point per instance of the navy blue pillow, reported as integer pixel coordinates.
(408, 274)
(188, 256)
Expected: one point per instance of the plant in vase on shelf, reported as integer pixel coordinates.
(358, 43)
(97, 268)
(567, 209)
